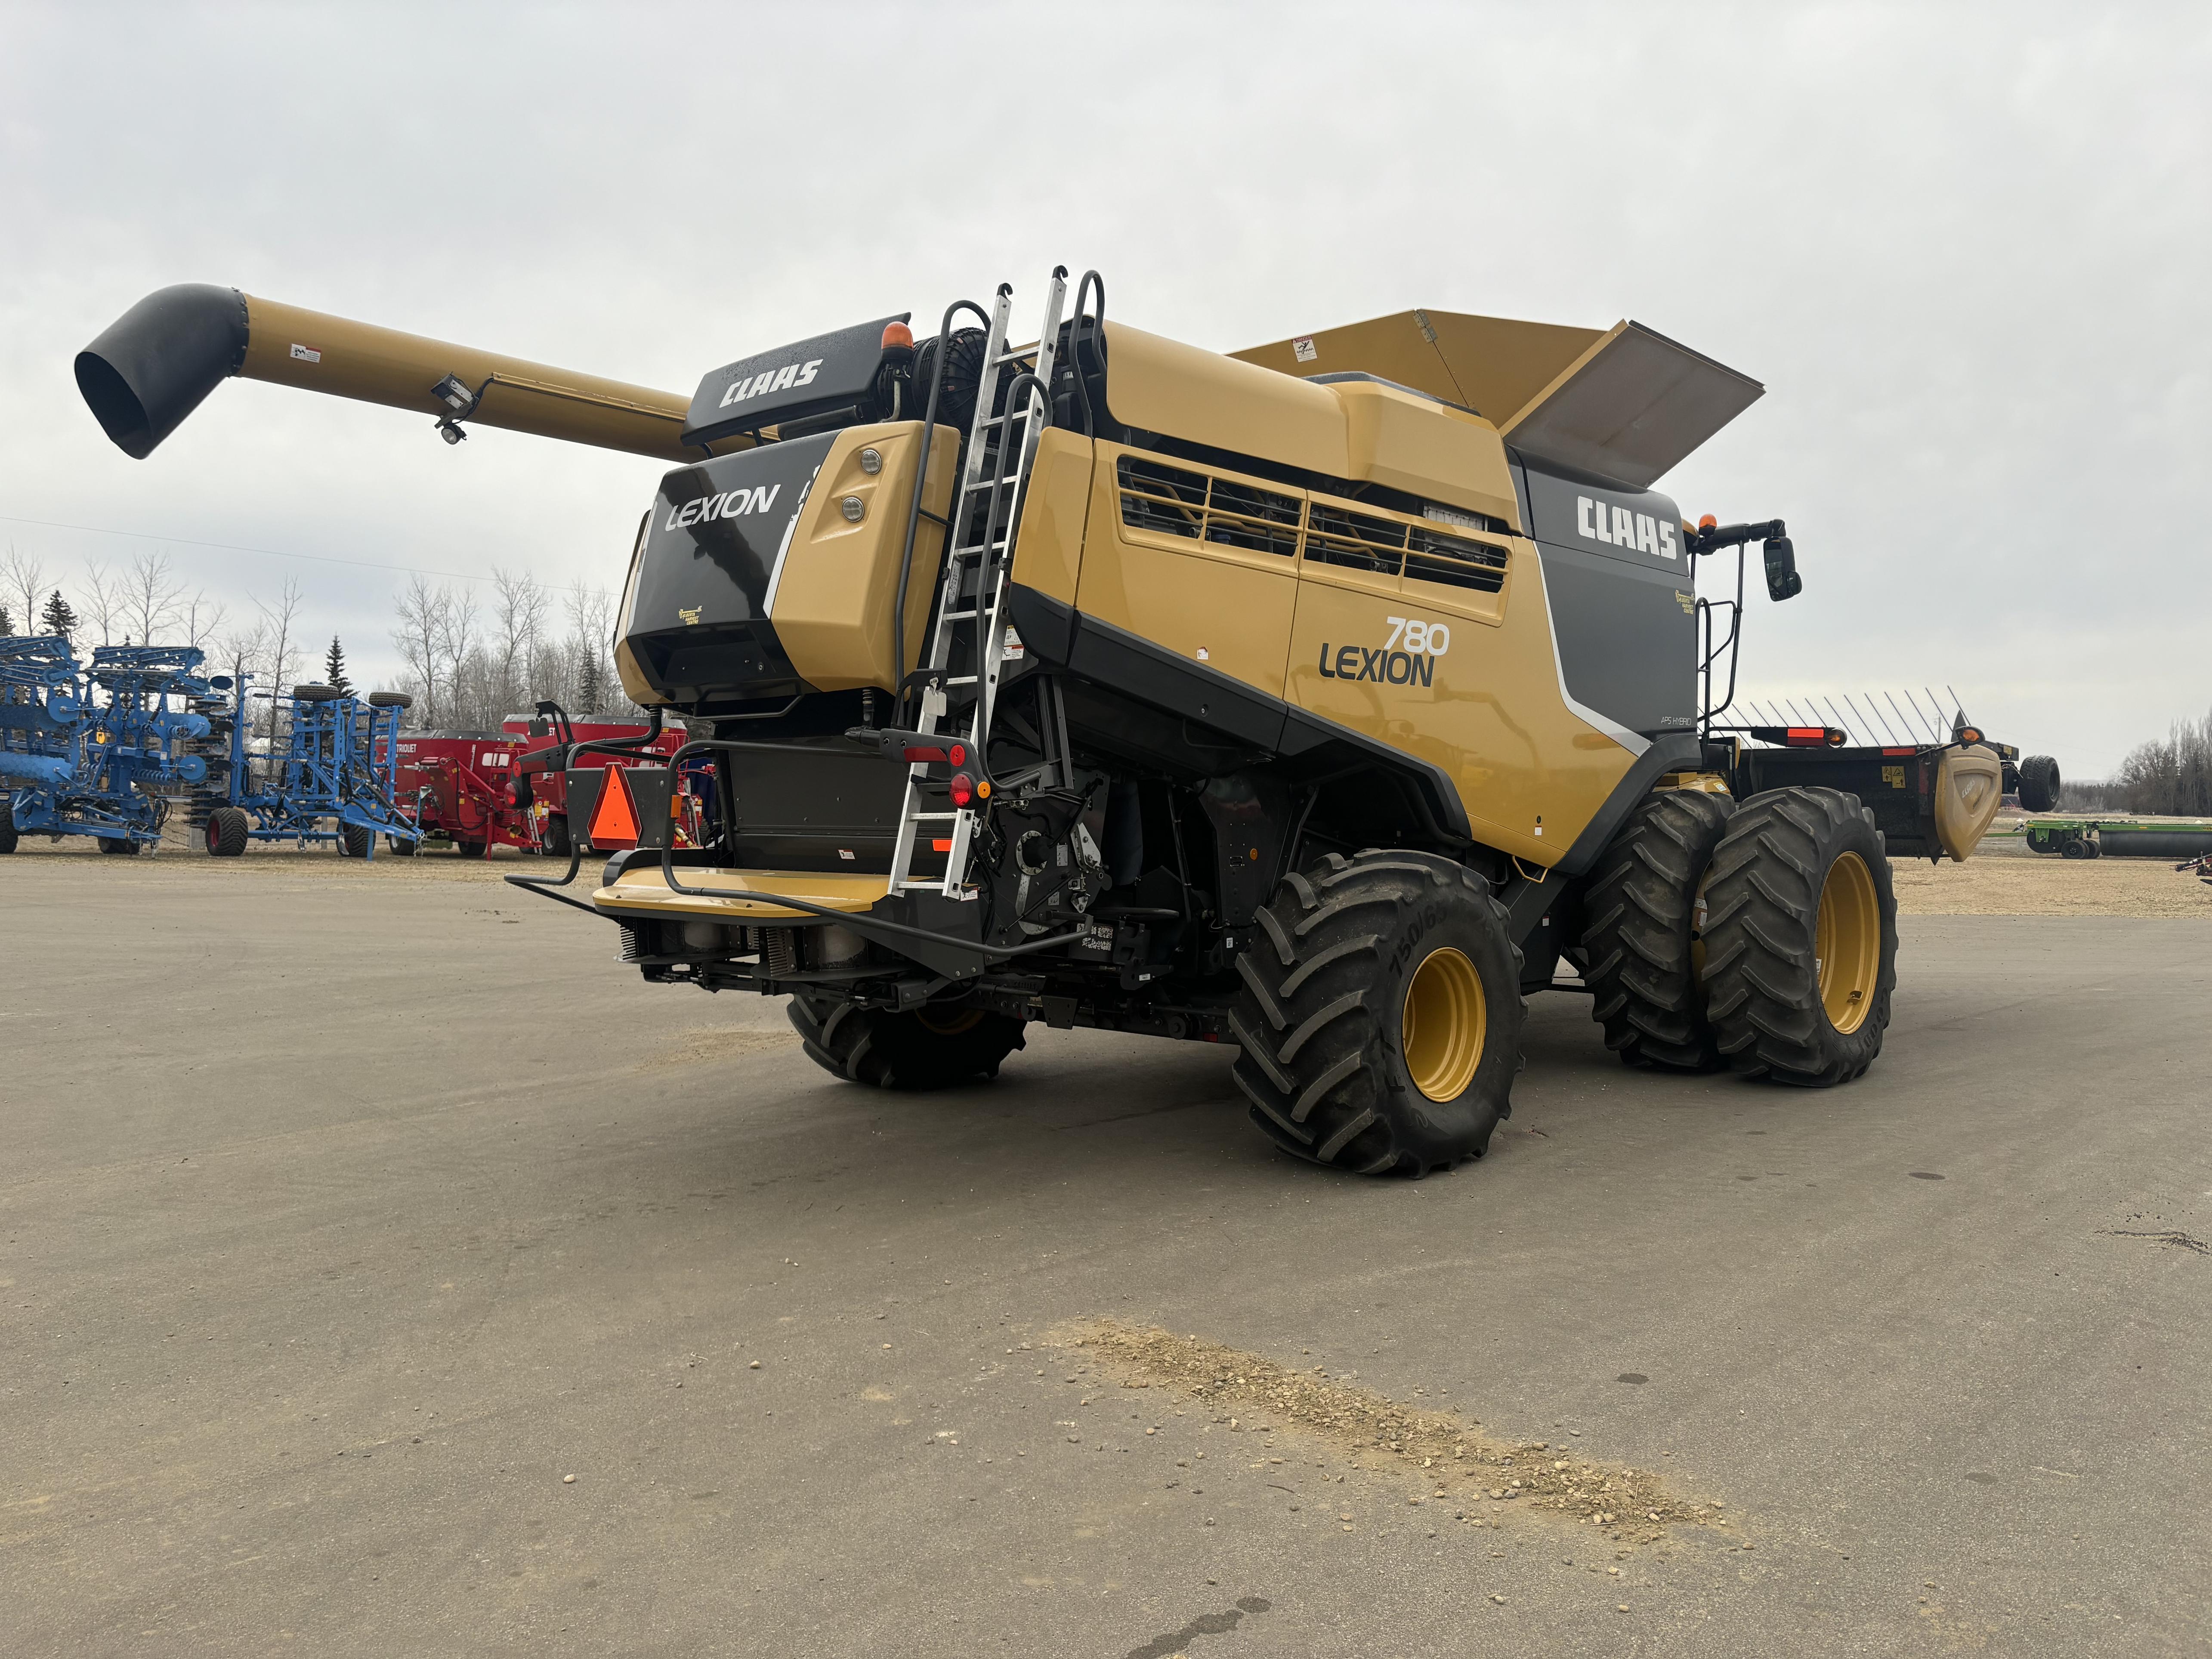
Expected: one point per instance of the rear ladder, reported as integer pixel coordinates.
(1001, 450)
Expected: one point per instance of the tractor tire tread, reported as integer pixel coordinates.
(1639, 932)
(1763, 901)
(1317, 1019)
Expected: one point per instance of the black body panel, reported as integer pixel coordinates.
(830, 371)
(1898, 786)
(698, 613)
(1622, 594)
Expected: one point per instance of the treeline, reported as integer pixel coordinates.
(2170, 777)
(469, 664)
(468, 658)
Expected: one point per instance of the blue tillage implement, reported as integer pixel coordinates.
(336, 769)
(89, 751)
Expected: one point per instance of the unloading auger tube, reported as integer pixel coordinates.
(158, 361)
(1347, 692)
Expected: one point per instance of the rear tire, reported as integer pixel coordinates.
(401, 847)
(473, 849)
(316, 694)
(7, 826)
(1380, 1019)
(933, 1049)
(353, 841)
(556, 836)
(120, 846)
(2039, 783)
(1639, 932)
(226, 832)
(1801, 938)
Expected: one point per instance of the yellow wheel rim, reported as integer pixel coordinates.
(1847, 942)
(949, 1023)
(1443, 1024)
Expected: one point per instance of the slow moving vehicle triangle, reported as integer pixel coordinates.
(614, 820)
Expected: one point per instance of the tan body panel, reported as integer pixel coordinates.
(1404, 442)
(1055, 510)
(1185, 595)
(1492, 717)
(833, 602)
(383, 366)
(1530, 773)
(1356, 431)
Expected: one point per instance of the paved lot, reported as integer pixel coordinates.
(340, 1222)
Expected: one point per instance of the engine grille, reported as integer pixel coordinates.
(1171, 501)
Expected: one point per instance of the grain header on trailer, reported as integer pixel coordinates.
(1318, 699)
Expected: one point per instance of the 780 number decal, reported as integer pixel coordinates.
(1421, 638)
(1408, 657)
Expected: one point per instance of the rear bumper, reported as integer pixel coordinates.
(744, 895)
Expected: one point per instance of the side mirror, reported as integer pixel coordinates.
(1783, 580)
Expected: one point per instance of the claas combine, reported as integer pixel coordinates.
(1325, 699)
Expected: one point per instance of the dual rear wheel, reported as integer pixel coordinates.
(1760, 937)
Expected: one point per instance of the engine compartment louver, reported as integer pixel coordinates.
(1173, 500)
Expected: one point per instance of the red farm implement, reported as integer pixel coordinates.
(478, 790)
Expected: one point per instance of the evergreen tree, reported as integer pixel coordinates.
(7, 622)
(587, 682)
(334, 674)
(58, 617)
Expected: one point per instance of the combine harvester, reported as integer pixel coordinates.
(332, 782)
(1319, 699)
(97, 752)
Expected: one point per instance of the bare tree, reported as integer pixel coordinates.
(590, 622)
(421, 628)
(282, 616)
(202, 617)
(149, 596)
(104, 600)
(457, 641)
(521, 605)
(24, 577)
(238, 652)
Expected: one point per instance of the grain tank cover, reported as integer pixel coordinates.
(1624, 403)
(828, 373)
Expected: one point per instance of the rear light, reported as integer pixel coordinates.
(920, 755)
(1812, 737)
(959, 755)
(1970, 734)
(963, 789)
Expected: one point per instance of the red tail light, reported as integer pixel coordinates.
(963, 789)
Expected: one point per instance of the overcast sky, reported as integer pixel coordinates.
(1966, 249)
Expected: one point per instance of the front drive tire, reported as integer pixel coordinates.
(931, 1049)
(1639, 932)
(1380, 1018)
(1801, 938)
